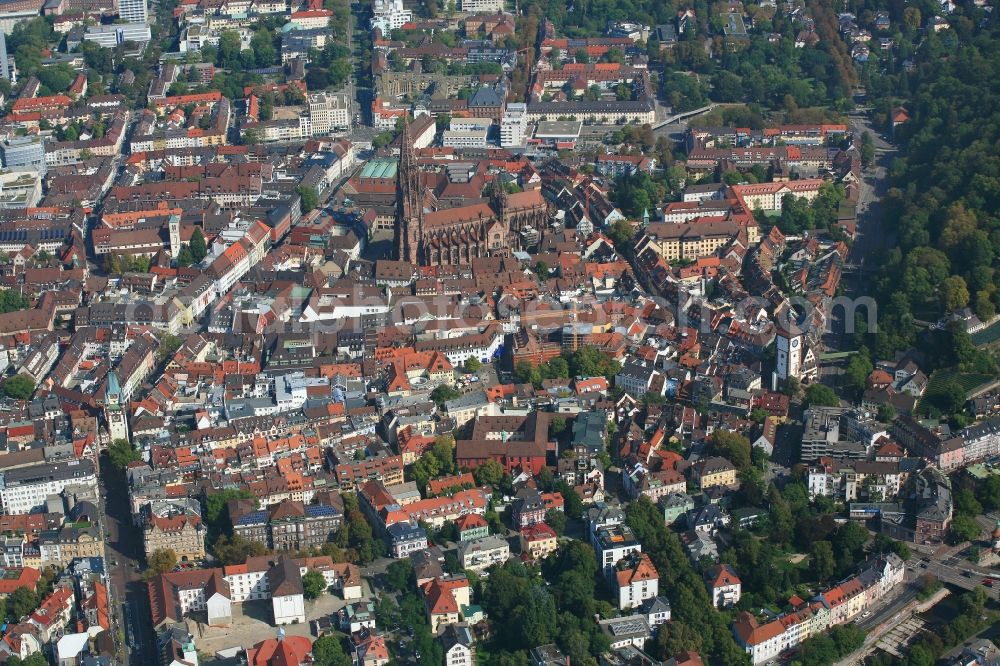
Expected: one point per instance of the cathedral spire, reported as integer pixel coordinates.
(409, 213)
(498, 197)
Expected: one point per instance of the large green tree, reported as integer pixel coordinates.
(121, 453)
(19, 387)
(313, 584)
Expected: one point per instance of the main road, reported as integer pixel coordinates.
(123, 553)
(871, 234)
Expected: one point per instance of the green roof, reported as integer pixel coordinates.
(379, 169)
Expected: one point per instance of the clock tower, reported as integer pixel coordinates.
(789, 359)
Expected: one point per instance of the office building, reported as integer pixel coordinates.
(24, 489)
(26, 152)
(110, 36)
(329, 113)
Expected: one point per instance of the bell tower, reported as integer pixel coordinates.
(174, 225)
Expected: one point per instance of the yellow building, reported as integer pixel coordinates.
(714, 471)
(691, 240)
(538, 540)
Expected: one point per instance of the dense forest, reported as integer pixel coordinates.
(943, 211)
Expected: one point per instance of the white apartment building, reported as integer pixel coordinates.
(480, 554)
(470, 124)
(133, 11)
(482, 6)
(388, 15)
(637, 580)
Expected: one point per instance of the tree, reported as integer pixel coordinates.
(19, 387)
(886, 413)
(572, 504)
(443, 393)
(328, 651)
(820, 395)
(689, 598)
(867, 149)
(399, 575)
(489, 473)
(675, 638)
(22, 601)
(121, 453)
(857, 371)
(967, 504)
(236, 550)
(621, 234)
(308, 198)
(885, 544)
(251, 137)
(263, 49)
(313, 584)
(215, 512)
(954, 294)
(184, 258)
(161, 560)
(988, 493)
(965, 528)
(11, 301)
(733, 446)
(198, 247)
(821, 561)
(472, 364)
(229, 49)
(447, 533)
(556, 520)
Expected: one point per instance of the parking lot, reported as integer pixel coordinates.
(252, 624)
(485, 376)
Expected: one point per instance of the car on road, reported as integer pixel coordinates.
(967, 574)
(866, 614)
(988, 582)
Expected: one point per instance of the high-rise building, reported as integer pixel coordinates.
(7, 69)
(514, 126)
(133, 11)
